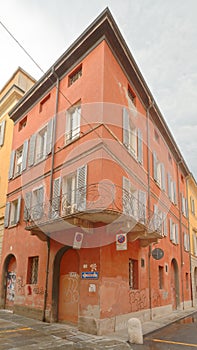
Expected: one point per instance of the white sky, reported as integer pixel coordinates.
(161, 34)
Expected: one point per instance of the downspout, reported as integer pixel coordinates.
(181, 240)
(190, 254)
(151, 104)
(51, 191)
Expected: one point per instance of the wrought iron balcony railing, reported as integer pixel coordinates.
(87, 202)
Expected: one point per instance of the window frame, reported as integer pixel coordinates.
(73, 133)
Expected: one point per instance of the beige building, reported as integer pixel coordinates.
(10, 94)
(192, 206)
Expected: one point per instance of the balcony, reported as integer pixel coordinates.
(100, 204)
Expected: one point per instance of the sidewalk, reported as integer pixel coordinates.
(35, 334)
(156, 323)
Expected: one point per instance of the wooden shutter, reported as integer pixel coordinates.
(174, 189)
(163, 183)
(2, 128)
(126, 128)
(126, 200)
(171, 230)
(142, 206)
(24, 155)
(32, 144)
(81, 187)
(56, 197)
(165, 231)
(186, 208)
(195, 244)
(176, 233)
(18, 210)
(155, 166)
(139, 146)
(49, 136)
(12, 159)
(27, 207)
(7, 214)
(169, 187)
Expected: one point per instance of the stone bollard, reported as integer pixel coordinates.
(135, 331)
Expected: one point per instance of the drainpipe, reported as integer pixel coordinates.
(151, 104)
(51, 192)
(181, 240)
(190, 254)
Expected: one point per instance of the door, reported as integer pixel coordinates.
(174, 285)
(69, 287)
(10, 283)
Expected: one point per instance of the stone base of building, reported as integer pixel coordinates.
(28, 312)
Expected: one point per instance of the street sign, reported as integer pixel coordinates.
(121, 241)
(90, 275)
(157, 253)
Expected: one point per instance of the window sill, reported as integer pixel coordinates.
(13, 225)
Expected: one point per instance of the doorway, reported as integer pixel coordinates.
(175, 285)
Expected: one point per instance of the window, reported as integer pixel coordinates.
(22, 124)
(73, 117)
(194, 243)
(161, 277)
(132, 137)
(41, 144)
(69, 194)
(2, 132)
(159, 172)
(32, 270)
(174, 235)
(184, 205)
(18, 161)
(186, 242)
(132, 97)
(133, 274)
(172, 190)
(74, 191)
(75, 75)
(192, 203)
(159, 222)
(43, 102)
(12, 212)
(37, 203)
(156, 136)
(134, 201)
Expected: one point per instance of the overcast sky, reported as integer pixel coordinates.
(161, 34)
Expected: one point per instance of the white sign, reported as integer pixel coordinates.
(78, 240)
(121, 241)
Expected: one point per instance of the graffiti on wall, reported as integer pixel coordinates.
(138, 299)
(70, 287)
(21, 287)
(11, 281)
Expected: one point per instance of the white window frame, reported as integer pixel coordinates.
(41, 145)
(69, 189)
(18, 161)
(73, 120)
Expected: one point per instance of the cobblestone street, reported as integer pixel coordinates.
(22, 333)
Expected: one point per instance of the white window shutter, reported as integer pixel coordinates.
(142, 205)
(11, 169)
(186, 208)
(81, 187)
(24, 155)
(165, 230)
(171, 231)
(155, 166)
(176, 234)
(140, 146)
(2, 128)
(32, 144)
(18, 210)
(56, 197)
(49, 136)
(174, 189)
(126, 200)
(169, 187)
(126, 128)
(195, 244)
(7, 214)
(27, 207)
(163, 183)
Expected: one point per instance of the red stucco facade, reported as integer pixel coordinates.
(97, 160)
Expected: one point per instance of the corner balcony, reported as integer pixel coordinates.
(100, 204)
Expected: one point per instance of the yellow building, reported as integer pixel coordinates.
(10, 94)
(192, 206)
